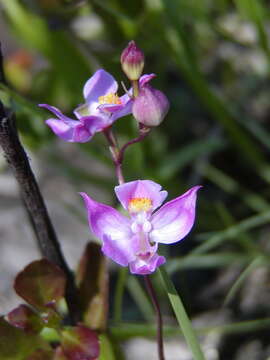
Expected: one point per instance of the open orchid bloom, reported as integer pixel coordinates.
(101, 99)
(102, 108)
(133, 241)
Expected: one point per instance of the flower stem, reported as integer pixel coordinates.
(143, 132)
(135, 87)
(153, 296)
(114, 149)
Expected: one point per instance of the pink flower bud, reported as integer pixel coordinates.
(150, 106)
(132, 60)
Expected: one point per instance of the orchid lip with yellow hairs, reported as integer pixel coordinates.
(133, 241)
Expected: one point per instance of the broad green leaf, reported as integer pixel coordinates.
(41, 284)
(80, 342)
(92, 282)
(15, 344)
(41, 354)
(25, 318)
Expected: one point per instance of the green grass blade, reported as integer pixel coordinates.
(129, 330)
(258, 261)
(232, 232)
(140, 297)
(254, 200)
(119, 292)
(207, 261)
(106, 348)
(255, 12)
(181, 315)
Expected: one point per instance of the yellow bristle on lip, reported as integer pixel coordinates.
(110, 99)
(139, 204)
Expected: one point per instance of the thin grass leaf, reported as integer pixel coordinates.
(183, 55)
(119, 292)
(232, 232)
(140, 297)
(258, 261)
(207, 261)
(181, 315)
(129, 330)
(106, 348)
(229, 185)
(255, 12)
(177, 160)
(244, 240)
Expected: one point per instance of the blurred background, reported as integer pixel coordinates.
(212, 59)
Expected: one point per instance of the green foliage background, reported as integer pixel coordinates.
(212, 59)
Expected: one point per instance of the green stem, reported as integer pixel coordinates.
(181, 315)
(135, 86)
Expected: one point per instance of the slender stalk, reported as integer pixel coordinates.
(153, 296)
(143, 132)
(135, 87)
(114, 149)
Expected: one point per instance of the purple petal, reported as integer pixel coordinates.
(94, 123)
(100, 84)
(146, 78)
(61, 129)
(125, 110)
(58, 113)
(81, 134)
(64, 127)
(112, 228)
(174, 220)
(140, 189)
(143, 267)
(118, 251)
(126, 98)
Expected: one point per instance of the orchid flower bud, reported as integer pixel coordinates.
(150, 106)
(132, 60)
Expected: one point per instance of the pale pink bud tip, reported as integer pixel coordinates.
(132, 60)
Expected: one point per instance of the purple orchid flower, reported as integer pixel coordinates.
(101, 109)
(134, 241)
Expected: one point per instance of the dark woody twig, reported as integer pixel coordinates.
(33, 201)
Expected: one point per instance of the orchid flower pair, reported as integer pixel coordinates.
(133, 241)
(129, 241)
(101, 109)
